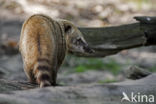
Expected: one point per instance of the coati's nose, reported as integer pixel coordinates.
(88, 49)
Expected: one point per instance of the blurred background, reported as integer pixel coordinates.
(83, 13)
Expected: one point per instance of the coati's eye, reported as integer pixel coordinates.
(78, 41)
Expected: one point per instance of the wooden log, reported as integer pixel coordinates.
(111, 40)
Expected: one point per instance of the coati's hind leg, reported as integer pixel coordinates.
(29, 75)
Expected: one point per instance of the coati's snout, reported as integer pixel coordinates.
(79, 45)
(74, 40)
(87, 49)
(80, 42)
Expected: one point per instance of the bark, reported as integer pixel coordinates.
(111, 40)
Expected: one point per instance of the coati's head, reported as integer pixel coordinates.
(74, 39)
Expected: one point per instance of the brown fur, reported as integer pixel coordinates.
(39, 48)
(43, 45)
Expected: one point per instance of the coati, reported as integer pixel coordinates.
(44, 43)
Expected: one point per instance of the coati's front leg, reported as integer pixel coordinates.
(54, 78)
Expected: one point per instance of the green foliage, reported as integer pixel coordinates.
(90, 64)
(85, 64)
(153, 69)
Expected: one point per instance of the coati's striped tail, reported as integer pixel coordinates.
(42, 73)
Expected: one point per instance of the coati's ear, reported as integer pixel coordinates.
(67, 28)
